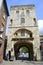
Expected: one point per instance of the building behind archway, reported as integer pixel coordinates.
(23, 30)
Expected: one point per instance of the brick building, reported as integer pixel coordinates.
(41, 46)
(3, 21)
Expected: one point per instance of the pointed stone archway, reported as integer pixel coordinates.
(20, 44)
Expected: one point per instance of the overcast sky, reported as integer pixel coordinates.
(38, 6)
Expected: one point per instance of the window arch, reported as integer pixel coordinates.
(23, 32)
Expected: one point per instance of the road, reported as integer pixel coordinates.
(20, 62)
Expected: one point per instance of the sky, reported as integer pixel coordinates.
(38, 6)
(0, 3)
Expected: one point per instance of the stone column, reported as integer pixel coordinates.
(35, 54)
(38, 54)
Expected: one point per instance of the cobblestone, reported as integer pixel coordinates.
(19, 62)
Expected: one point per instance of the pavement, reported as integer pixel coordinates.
(20, 62)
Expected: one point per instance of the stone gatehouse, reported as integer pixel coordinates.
(23, 31)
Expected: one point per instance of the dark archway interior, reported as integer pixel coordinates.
(20, 44)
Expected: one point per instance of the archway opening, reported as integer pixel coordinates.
(23, 53)
(23, 50)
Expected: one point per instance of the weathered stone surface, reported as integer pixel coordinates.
(30, 26)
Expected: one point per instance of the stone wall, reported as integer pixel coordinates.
(30, 25)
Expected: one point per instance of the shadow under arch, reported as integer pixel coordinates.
(20, 44)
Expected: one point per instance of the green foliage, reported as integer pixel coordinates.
(25, 49)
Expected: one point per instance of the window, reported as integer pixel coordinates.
(27, 12)
(22, 33)
(34, 20)
(11, 22)
(22, 20)
(17, 14)
(35, 23)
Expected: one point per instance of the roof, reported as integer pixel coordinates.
(5, 5)
(41, 35)
(29, 5)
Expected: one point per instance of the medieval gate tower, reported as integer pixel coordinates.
(23, 31)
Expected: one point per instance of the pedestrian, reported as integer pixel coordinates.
(22, 56)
